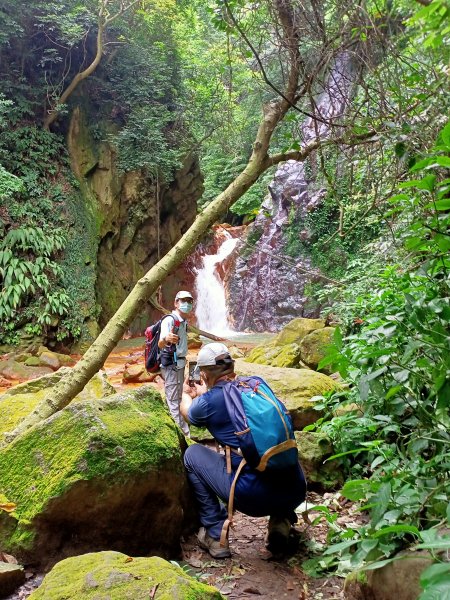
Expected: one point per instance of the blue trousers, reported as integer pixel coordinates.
(256, 494)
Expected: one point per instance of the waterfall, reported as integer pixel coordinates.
(267, 285)
(211, 310)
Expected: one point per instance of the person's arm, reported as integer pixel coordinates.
(188, 396)
(166, 336)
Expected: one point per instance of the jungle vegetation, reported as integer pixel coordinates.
(234, 81)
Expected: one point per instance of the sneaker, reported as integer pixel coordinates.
(213, 546)
(278, 535)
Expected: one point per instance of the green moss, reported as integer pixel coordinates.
(313, 346)
(116, 576)
(297, 329)
(117, 437)
(19, 401)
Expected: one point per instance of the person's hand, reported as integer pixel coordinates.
(189, 389)
(171, 338)
(200, 388)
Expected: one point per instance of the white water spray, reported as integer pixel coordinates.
(211, 309)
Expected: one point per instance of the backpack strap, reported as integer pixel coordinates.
(229, 521)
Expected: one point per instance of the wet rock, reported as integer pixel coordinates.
(101, 473)
(115, 575)
(11, 577)
(399, 579)
(313, 449)
(50, 359)
(137, 374)
(15, 371)
(314, 346)
(295, 387)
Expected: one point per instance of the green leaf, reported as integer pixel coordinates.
(335, 548)
(356, 489)
(443, 204)
(434, 573)
(396, 529)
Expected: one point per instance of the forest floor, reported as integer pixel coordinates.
(251, 572)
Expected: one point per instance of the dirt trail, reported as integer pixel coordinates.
(252, 572)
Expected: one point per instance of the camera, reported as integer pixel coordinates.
(194, 373)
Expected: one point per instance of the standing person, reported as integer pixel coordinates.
(173, 344)
(273, 493)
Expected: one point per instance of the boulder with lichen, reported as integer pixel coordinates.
(117, 576)
(103, 473)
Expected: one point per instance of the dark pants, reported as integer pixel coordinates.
(256, 494)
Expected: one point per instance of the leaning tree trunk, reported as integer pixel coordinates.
(96, 355)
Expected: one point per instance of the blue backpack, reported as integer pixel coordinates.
(262, 424)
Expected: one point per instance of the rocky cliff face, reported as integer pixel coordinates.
(136, 219)
(268, 286)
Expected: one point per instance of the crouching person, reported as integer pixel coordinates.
(228, 478)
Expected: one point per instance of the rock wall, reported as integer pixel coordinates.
(136, 219)
(268, 285)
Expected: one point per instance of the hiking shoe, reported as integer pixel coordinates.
(213, 546)
(277, 537)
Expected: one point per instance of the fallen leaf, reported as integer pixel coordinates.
(195, 562)
(128, 559)
(8, 506)
(290, 585)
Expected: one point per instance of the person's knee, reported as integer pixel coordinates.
(195, 455)
(189, 456)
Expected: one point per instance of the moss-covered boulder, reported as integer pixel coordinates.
(100, 474)
(313, 450)
(194, 341)
(314, 346)
(276, 356)
(295, 387)
(116, 576)
(296, 330)
(20, 400)
(200, 434)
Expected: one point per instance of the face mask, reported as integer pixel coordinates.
(185, 307)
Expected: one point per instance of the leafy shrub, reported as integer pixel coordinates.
(398, 367)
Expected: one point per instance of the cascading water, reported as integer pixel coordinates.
(267, 287)
(211, 310)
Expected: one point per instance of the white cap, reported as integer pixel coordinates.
(209, 354)
(183, 294)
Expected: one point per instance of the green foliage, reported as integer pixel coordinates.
(29, 278)
(398, 366)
